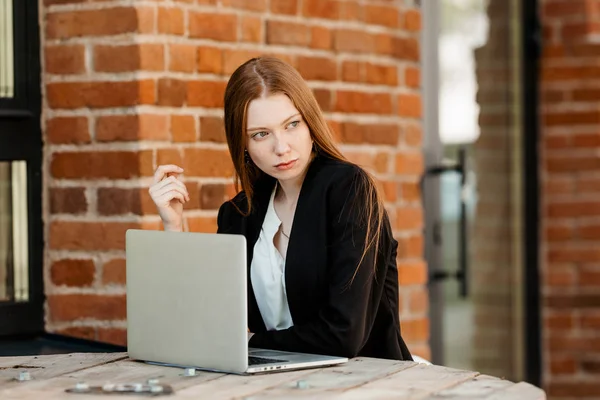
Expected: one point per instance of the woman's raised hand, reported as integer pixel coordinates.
(169, 194)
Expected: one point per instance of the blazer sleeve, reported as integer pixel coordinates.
(343, 324)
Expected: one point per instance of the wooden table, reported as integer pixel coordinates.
(360, 378)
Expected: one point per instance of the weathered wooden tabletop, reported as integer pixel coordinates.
(360, 378)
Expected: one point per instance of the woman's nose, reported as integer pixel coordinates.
(281, 145)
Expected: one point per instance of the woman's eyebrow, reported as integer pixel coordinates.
(284, 121)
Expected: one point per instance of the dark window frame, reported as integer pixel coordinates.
(21, 139)
(531, 49)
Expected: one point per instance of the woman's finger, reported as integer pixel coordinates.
(172, 188)
(170, 195)
(165, 182)
(164, 170)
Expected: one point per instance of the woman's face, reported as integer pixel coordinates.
(279, 140)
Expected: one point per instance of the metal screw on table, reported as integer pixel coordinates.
(81, 386)
(152, 381)
(301, 385)
(190, 372)
(24, 376)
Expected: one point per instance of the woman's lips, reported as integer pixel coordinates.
(285, 166)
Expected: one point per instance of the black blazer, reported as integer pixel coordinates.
(333, 313)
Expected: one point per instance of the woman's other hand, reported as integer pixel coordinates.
(169, 195)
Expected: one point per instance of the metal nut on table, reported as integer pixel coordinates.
(190, 372)
(302, 385)
(82, 386)
(152, 381)
(24, 376)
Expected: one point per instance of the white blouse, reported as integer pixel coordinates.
(267, 274)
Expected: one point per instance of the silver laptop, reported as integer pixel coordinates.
(186, 305)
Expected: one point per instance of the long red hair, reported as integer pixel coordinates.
(264, 76)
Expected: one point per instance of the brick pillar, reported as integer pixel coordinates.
(132, 85)
(570, 165)
(492, 240)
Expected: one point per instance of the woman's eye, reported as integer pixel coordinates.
(293, 124)
(260, 134)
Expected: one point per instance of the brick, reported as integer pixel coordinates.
(288, 33)
(202, 224)
(68, 130)
(569, 73)
(412, 273)
(132, 127)
(232, 59)
(563, 365)
(390, 192)
(381, 74)
(206, 93)
(129, 58)
(405, 49)
(571, 164)
(559, 279)
(170, 20)
(320, 9)
(216, 26)
(363, 102)
(591, 321)
(590, 366)
(99, 22)
(116, 336)
(351, 10)
(73, 272)
(386, 134)
(576, 208)
(251, 29)
(114, 272)
(121, 201)
(323, 97)
(183, 128)
(412, 20)
(172, 92)
(412, 77)
(169, 156)
(73, 307)
(82, 332)
(353, 71)
(409, 105)
(67, 59)
(354, 41)
(418, 302)
(194, 191)
(207, 162)
(409, 218)
(586, 94)
(210, 59)
(563, 8)
(70, 95)
(573, 389)
(409, 163)
(559, 321)
(589, 277)
(182, 57)
(71, 235)
(415, 329)
(413, 135)
(317, 68)
(146, 162)
(212, 129)
(95, 165)
(559, 233)
(69, 200)
(321, 37)
(411, 191)
(288, 7)
(384, 15)
(251, 5)
(570, 301)
(212, 196)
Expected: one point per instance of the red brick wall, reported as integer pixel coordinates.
(130, 85)
(570, 165)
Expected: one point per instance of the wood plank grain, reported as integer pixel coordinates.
(314, 383)
(476, 388)
(49, 366)
(519, 391)
(418, 382)
(124, 371)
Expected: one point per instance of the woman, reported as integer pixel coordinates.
(321, 256)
